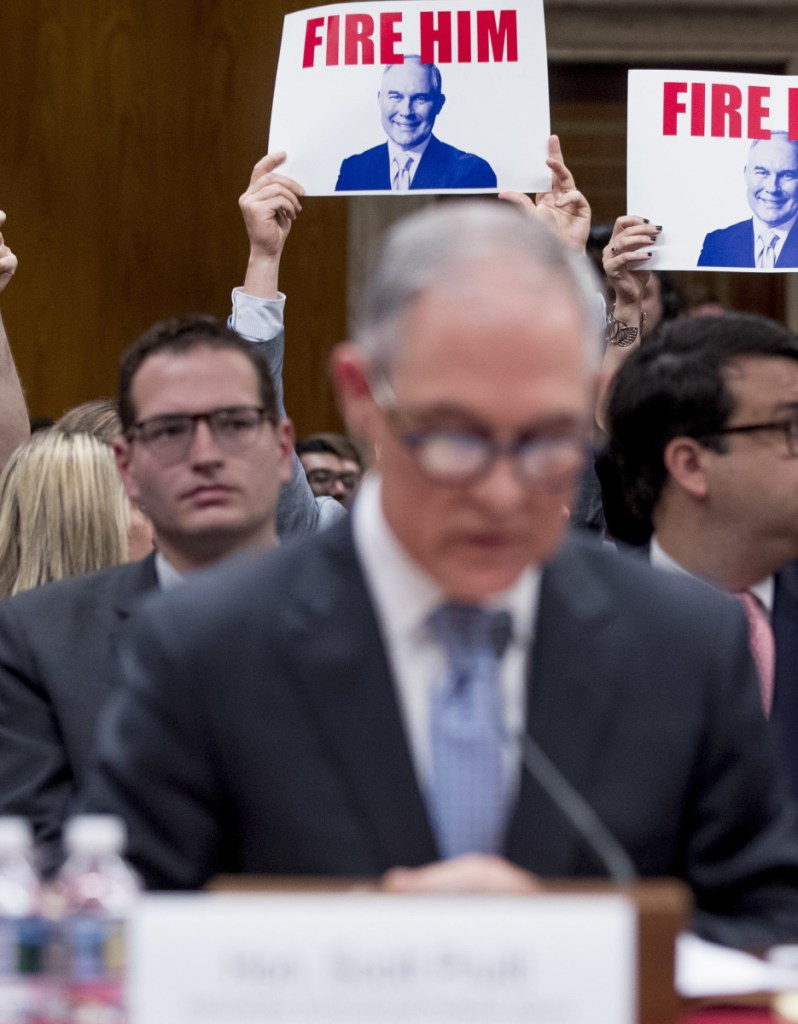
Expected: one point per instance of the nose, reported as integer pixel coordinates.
(339, 489)
(204, 448)
(406, 107)
(500, 490)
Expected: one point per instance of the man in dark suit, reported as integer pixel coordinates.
(359, 701)
(703, 425)
(216, 497)
(410, 99)
(768, 239)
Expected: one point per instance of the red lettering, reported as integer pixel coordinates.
(464, 37)
(672, 106)
(333, 36)
(432, 36)
(358, 44)
(499, 38)
(758, 110)
(726, 119)
(698, 108)
(792, 114)
(312, 40)
(389, 37)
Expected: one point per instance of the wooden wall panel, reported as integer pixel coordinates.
(128, 130)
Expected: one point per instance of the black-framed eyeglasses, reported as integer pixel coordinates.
(787, 427)
(328, 477)
(168, 438)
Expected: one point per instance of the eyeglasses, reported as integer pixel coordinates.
(464, 456)
(326, 478)
(787, 427)
(169, 437)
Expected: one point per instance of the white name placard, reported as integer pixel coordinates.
(379, 959)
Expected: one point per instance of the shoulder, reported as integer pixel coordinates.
(728, 246)
(247, 598)
(73, 596)
(361, 164)
(466, 169)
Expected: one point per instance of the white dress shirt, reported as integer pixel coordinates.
(404, 596)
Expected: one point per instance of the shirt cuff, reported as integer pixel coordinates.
(254, 318)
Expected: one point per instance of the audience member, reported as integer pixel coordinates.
(205, 448)
(704, 432)
(297, 715)
(100, 417)
(14, 423)
(62, 511)
(326, 469)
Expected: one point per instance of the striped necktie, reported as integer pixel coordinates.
(400, 180)
(767, 250)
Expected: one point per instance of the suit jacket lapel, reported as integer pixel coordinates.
(428, 174)
(353, 696)
(566, 705)
(788, 257)
(132, 585)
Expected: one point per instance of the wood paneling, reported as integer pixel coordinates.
(128, 130)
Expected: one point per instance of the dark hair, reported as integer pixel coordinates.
(676, 385)
(183, 334)
(328, 441)
(669, 295)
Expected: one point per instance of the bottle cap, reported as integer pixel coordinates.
(95, 834)
(16, 835)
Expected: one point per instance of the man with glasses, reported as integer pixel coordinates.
(378, 699)
(206, 450)
(703, 427)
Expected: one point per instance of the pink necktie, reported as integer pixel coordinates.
(763, 646)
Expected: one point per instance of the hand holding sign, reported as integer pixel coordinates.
(564, 210)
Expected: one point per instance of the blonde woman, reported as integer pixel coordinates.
(63, 511)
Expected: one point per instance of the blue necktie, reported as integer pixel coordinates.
(467, 793)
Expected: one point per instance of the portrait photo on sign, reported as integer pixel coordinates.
(713, 158)
(416, 96)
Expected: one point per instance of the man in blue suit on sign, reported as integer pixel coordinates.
(769, 239)
(413, 158)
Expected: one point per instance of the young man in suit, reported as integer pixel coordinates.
(767, 239)
(703, 425)
(410, 100)
(206, 449)
(365, 700)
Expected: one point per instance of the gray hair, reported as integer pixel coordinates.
(436, 244)
(435, 79)
(778, 133)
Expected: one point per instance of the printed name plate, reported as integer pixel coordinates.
(378, 959)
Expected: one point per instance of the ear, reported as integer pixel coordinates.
(124, 455)
(349, 370)
(439, 103)
(685, 461)
(285, 435)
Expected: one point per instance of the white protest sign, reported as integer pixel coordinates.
(704, 163)
(377, 959)
(479, 123)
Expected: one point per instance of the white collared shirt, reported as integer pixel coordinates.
(404, 596)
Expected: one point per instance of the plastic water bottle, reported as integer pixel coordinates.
(23, 931)
(97, 890)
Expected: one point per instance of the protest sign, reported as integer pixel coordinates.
(713, 158)
(354, 115)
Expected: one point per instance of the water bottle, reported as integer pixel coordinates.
(23, 931)
(97, 891)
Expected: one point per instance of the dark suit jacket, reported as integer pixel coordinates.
(258, 731)
(441, 166)
(785, 693)
(57, 667)
(734, 247)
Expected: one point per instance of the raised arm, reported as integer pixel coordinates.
(624, 259)
(14, 423)
(270, 205)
